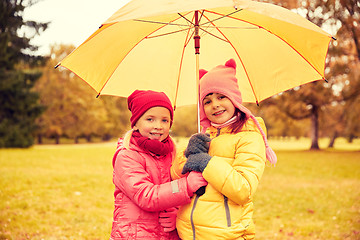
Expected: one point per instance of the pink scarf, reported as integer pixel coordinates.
(154, 146)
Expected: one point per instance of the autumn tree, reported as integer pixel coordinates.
(118, 117)
(278, 123)
(72, 109)
(185, 121)
(69, 109)
(19, 105)
(320, 100)
(345, 66)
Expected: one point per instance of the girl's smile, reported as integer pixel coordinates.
(155, 136)
(218, 113)
(218, 108)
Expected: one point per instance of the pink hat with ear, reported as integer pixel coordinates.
(221, 79)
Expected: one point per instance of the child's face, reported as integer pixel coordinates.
(154, 123)
(218, 108)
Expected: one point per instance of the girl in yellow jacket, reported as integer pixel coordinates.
(232, 161)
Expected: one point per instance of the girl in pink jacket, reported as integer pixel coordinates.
(146, 199)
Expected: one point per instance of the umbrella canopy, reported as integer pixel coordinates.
(149, 44)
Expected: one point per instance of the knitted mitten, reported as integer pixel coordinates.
(196, 162)
(198, 143)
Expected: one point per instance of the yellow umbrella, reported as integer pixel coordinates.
(148, 44)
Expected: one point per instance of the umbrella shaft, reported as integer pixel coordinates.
(196, 33)
(197, 44)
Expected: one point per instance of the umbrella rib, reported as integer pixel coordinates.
(214, 35)
(202, 14)
(260, 27)
(234, 27)
(164, 23)
(178, 79)
(186, 19)
(168, 33)
(242, 63)
(228, 15)
(187, 40)
(222, 16)
(168, 23)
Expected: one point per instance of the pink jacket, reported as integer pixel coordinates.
(143, 189)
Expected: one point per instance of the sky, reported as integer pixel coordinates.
(72, 21)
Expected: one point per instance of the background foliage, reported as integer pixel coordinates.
(19, 105)
(60, 105)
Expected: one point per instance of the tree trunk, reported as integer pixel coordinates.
(76, 140)
(332, 140)
(314, 129)
(351, 138)
(39, 138)
(106, 137)
(57, 139)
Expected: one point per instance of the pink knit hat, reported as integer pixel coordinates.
(140, 101)
(221, 79)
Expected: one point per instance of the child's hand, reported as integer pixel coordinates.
(194, 182)
(196, 162)
(167, 219)
(198, 143)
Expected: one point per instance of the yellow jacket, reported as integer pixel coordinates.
(233, 174)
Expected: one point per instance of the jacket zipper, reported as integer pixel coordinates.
(226, 204)
(227, 211)
(192, 214)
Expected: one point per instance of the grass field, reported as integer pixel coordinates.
(65, 192)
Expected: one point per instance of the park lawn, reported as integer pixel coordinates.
(66, 192)
(310, 195)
